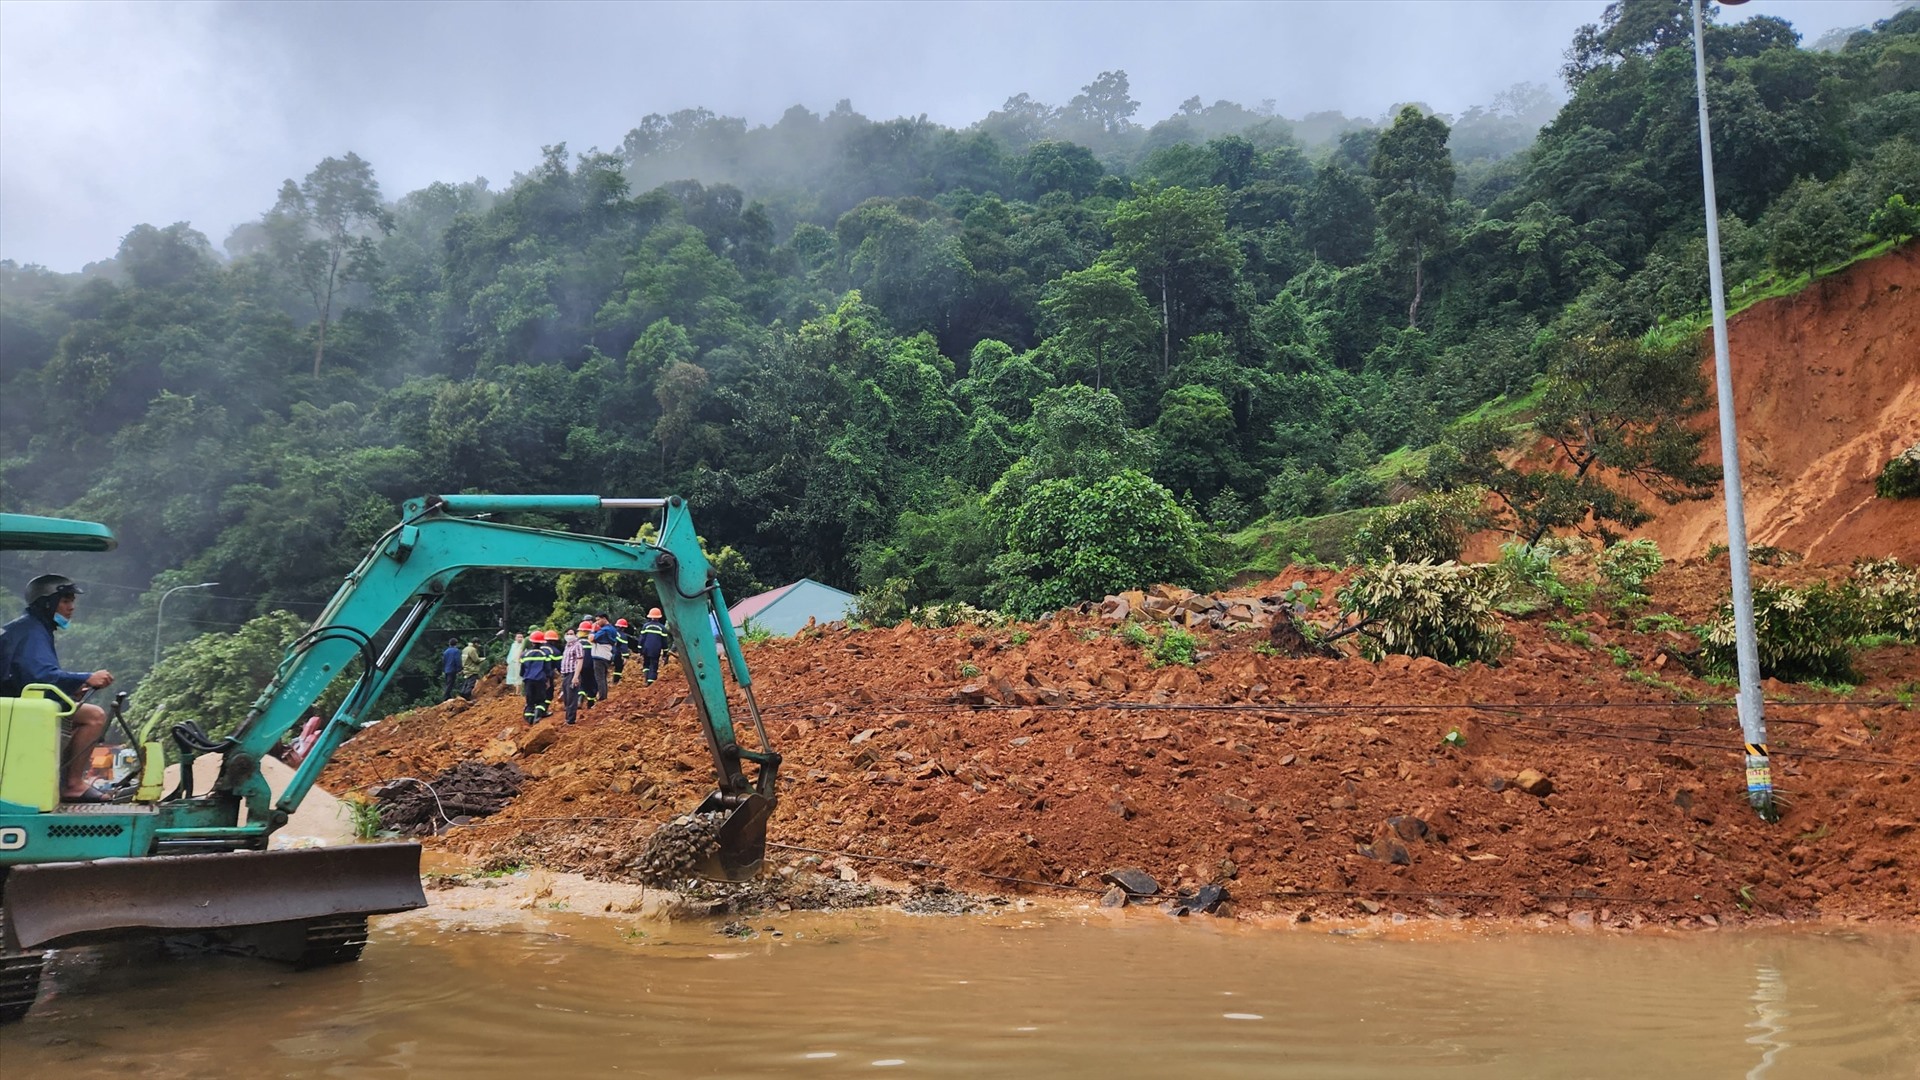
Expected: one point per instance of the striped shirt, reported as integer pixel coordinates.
(570, 660)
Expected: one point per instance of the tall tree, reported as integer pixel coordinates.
(1176, 240)
(321, 231)
(1099, 314)
(1414, 175)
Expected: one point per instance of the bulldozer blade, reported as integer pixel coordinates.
(49, 905)
(740, 844)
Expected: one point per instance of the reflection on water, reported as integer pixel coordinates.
(838, 995)
(1770, 1016)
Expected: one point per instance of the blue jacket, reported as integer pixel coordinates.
(450, 660)
(27, 656)
(608, 635)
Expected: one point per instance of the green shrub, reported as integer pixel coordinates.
(1888, 594)
(1135, 634)
(884, 604)
(1444, 611)
(1901, 478)
(1429, 528)
(1626, 566)
(954, 613)
(1176, 646)
(1801, 634)
(1525, 581)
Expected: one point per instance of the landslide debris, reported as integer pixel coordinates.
(458, 795)
(1587, 774)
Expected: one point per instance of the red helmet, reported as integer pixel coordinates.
(537, 636)
(619, 622)
(653, 613)
(586, 626)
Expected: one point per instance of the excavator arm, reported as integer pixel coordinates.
(409, 572)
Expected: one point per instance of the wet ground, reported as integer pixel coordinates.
(548, 990)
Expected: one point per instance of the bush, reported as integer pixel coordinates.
(1627, 565)
(1901, 478)
(1801, 634)
(1525, 581)
(1888, 594)
(1444, 611)
(884, 604)
(1176, 646)
(955, 613)
(1429, 528)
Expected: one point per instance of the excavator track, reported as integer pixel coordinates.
(332, 941)
(20, 971)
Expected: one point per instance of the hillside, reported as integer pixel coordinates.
(1826, 390)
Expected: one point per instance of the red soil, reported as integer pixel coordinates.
(1064, 754)
(1826, 391)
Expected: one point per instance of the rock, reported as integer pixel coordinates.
(1135, 881)
(924, 817)
(1386, 850)
(1235, 803)
(1115, 897)
(1202, 901)
(864, 736)
(1368, 906)
(1580, 920)
(539, 739)
(1409, 828)
(1533, 783)
(1342, 802)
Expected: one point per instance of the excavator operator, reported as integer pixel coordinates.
(27, 656)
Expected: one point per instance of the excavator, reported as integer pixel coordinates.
(182, 863)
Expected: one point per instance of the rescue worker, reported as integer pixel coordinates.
(473, 664)
(591, 688)
(605, 644)
(536, 670)
(449, 668)
(620, 643)
(654, 640)
(570, 676)
(27, 656)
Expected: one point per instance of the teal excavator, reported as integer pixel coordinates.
(187, 863)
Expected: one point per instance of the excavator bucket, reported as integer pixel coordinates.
(49, 905)
(740, 843)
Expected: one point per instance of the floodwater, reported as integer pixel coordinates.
(1015, 995)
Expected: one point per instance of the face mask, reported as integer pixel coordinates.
(61, 622)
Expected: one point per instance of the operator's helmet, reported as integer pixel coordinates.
(57, 586)
(653, 613)
(621, 623)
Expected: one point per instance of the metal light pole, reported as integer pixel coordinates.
(157, 615)
(1753, 722)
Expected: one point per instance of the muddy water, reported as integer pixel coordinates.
(551, 993)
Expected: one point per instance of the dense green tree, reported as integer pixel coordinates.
(321, 233)
(1413, 175)
(1176, 241)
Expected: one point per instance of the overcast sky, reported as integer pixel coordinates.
(115, 114)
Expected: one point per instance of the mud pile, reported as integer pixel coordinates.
(1588, 776)
(459, 794)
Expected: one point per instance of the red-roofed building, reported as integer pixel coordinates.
(785, 610)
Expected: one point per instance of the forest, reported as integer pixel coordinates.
(1055, 354)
